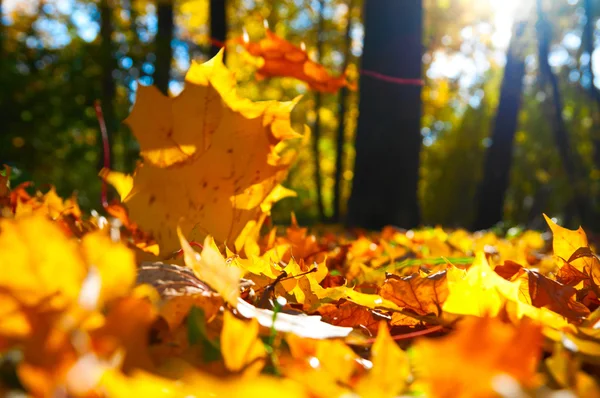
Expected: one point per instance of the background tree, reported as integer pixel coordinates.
(218, 25)
(340, 138)
(109, 64)
(490, 199)
(388, 139)
(316, 129)
(164, 50)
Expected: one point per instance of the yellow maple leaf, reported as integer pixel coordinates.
(333, 356)
(241, 347)
(390, 372)
(480, 291)
(39, 262)
(43, 270)
(210, 156)
(210, 267)
(114, 262)
(565, 242)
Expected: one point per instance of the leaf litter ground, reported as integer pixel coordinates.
(185, 291)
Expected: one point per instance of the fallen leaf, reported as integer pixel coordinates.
(301, 325)
(351, 315)
(210, 267)
(390, 373)
(241, 347)
(483, 350)
(422, 294)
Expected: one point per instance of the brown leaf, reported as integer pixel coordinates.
(555, 296)
(569, 275)
(423, 295)
(508, 270)
(350, 314)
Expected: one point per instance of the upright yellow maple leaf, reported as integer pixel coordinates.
(565, 242)
(210, 157)
(210, 267)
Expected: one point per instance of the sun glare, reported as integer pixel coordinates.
(505, 12)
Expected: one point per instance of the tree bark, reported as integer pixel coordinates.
(559, 128)
(164, 51)
(492, 191)
(2, 34)
(340, 138)
(109, 64)
(588, 43)
(388, 139)
(218, 25)
(273, 14)
(316, 136)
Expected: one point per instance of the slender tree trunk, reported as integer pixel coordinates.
(317, 126)
(388, 138)
(164, 51)
(496, 171)
(218, 24)
(136, 51)
(109, 64)
(2, 34)
(559, 128)
(588, 43)
(273, 15)
(340, 138)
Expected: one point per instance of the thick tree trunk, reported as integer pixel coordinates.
(164, 51)
(316, 136)
(388, 139)
(109, 64)
(218, 25)
(490, 198)
(555, 115)
(340, 138)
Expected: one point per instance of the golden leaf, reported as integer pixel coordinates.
(210, 156)
(390, 372)
(210, 267)
(240, 345)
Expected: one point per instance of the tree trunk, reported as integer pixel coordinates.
(316, 136)
(490, 197)
(588, 43)
(273, 14)
(388, 138)
(559, 128)
(218, 25)
(2, 34)
(340, 138)
(164, 51)
(109, 64)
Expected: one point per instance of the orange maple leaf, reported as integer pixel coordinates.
(282, 58)
(485, 350)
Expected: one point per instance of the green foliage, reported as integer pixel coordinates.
(50, 81)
